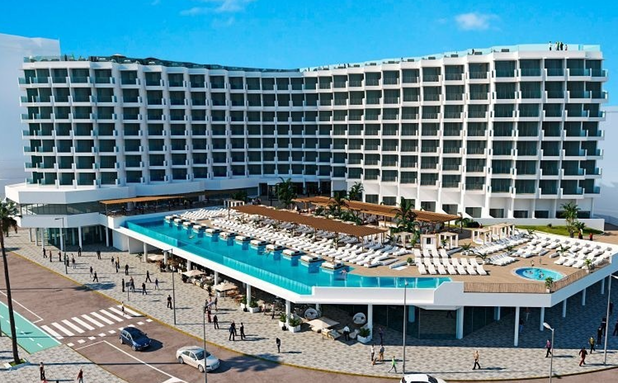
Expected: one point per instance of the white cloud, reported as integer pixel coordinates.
(217, 6)
(474, 21)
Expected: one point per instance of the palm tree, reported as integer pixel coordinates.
(465, 248)
(285, 192)
(461, 221)
(338, 202)
(8, 211)
(356, 192)
(240, 195)
(569, 213)
(405, 216)
(530, 233)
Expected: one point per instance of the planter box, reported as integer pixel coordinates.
(253, 310)
(363, 339)
(294, 329)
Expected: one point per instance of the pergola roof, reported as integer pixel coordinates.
(139, 199)
(381, 210)
(315, 222)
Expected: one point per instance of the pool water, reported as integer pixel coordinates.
(538, 274)
(272, 267)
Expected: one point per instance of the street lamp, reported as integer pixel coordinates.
(405, 320)
(551, 361)
(64, 245)
(173, 290)
(204, 342)
(609, 299)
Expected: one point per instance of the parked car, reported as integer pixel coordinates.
(420, 378)
(134, 337)
(194, 356)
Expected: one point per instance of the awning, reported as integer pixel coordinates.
(193, 273)
(156, 257)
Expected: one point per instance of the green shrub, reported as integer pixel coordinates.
(364, 332)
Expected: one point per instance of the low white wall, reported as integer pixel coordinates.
(594, 223)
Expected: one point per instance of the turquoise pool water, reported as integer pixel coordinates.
(538, 274)
(288, 273)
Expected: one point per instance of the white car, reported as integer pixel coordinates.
(194, 356)
(420, 378)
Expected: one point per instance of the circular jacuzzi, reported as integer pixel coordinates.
(537, 273)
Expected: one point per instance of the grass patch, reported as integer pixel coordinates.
(13, 363)
(558, 230)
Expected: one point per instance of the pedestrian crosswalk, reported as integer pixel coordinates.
(81, 325)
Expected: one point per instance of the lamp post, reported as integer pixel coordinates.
(64, 245)
(173, 289)
(551, 361)
(405, 320)
(204, 343)
(609, 300)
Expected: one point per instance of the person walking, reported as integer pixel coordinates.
(381, 333)
(80, 376)
(242, 331)
(548, 346)
(215, 322)
(477, 357)
(126, 269)
(99, 254)
(381, 354)
(73, 261)
(591, 343)
(95, 278)
(148, 276)
(232, 335)
(346, 333)
(214, 303)
(393, 365)
(42, 368)
(113, 262)
(373, 353)
(122, 306)
(91, 270)
(44, 254)
(600, 333)
(234, 328)
(582, 354)
(79, 251)
(132, 284)
(278, 343)
(59, 256)
(208, 312)
(169, 302)
(144, 288)
(156, 283)
(117, 266)
(122, 285)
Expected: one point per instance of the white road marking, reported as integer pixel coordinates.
(81, 341)
(71, 325)
(148, 320)
(25, 308)
(101, 317)
(146, 364)
(130, 312)
(52, 332)
(70, 344)
(173, 380)
(89, 345)
(112, 331)
(102, 334)
(92, 337)
(64, 330)
(98, 324)
(38, 344)
(83, 324)
(140, 323)
(114, 317)
(119, 312)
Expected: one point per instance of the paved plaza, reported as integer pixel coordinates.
(451, 360)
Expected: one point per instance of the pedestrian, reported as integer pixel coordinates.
(208, 315)
(234, 327)
(73, 260)
(381, 333)
(600, 333)
(393, 365)
(156, 283)
(373, 353)
(122, 285)
(99, 254)
(51, 256)
(591, 236)
(95, 278)
(232, 335)
(381, 353)
(169, 302)
(550, 45)
(591, 342)
(80, 376)
(132, 284)
(582, 354)
(242, 331)
(477, 356)
(59, 257)
(214, 303)
(117, 266)
(215, 322)
(126, 269)
(148, 276)
(42, 369)
(548, 346)
(44, 253)
(79, 251)
(278, 343)
(144, 288)
(117, 260)
(122, 306)
(346, 333)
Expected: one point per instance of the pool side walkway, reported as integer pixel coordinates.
(451, 360)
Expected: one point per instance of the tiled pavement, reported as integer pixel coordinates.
(447, 359)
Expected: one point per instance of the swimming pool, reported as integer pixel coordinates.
(273, 267)
(537, 273)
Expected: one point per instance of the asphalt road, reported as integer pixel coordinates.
(50, 300)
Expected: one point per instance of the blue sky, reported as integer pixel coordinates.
(290, 34)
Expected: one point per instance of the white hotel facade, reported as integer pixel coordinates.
(507, 132)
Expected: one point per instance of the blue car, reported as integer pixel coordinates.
(134, 337)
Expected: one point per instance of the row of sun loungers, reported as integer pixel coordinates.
(455, 266)
(502, 244)
(578, 260)
(501, 259)
(206, 213)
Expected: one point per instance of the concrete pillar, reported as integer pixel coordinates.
(248, 294)
(165, 256)
(73, 242)
(61, 239)
(516, 331)
(564, 305)
(30, 235)
(460, 323)
(542, 319)
(603, 286)
(216, 277)
(370, 318)
(317, 306)
(288, 311)
(106, 236)
(36, 236)
(145, 253)
(101, 233)
(79, 236)
(584, 296)
(42, 230)
(497, 313)
(189, 265)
